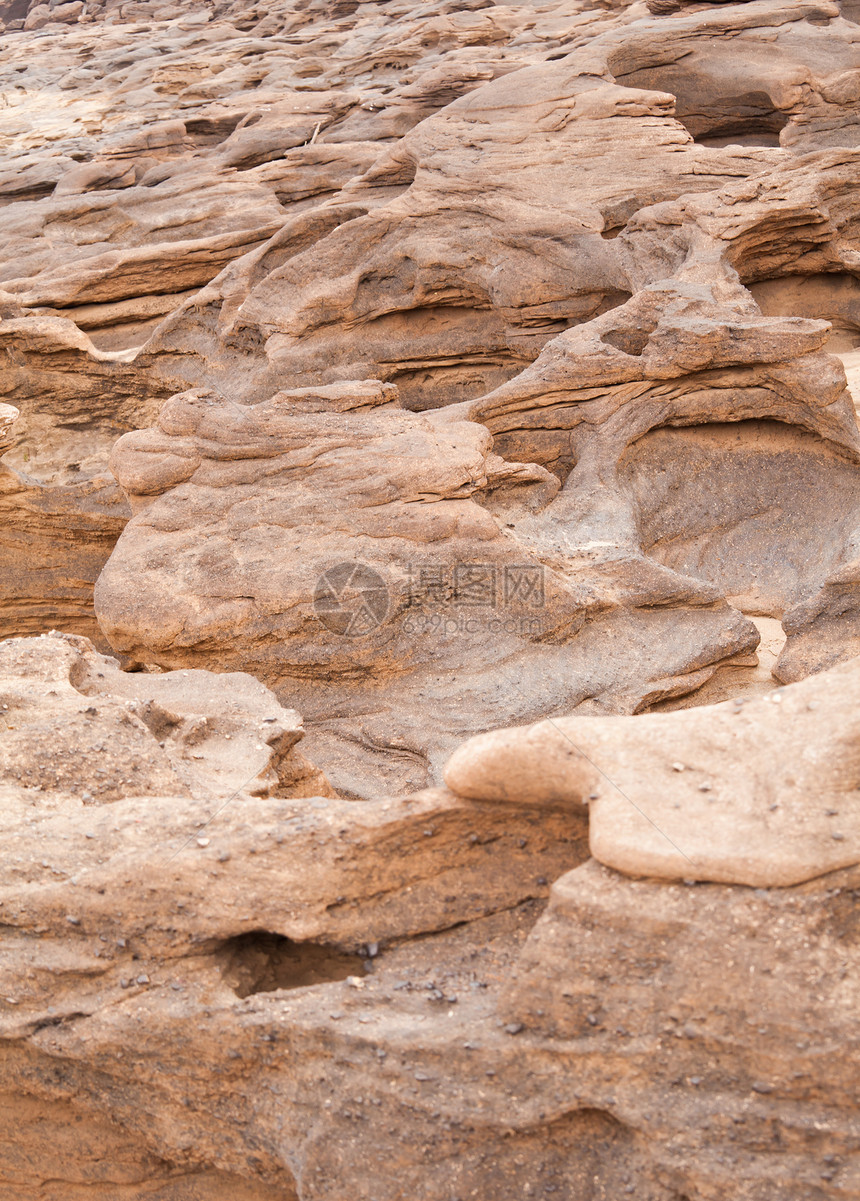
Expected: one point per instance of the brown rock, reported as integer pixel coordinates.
(176, 734)
(762, 794)
(471, 364)
(691, 1019)
(376, 560)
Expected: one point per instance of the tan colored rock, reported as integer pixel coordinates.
(296, 490)
(75, 725)
(396, 308)
(38, 17)
(690, 1014)
(340, 229)
(763, 793)
(202, 906)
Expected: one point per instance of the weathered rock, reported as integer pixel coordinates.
(472, 364)
(354, 542)
(238, 915)
(660, 334)
(77, 726)
(763, 793)
(445, 271)
(692, 1017)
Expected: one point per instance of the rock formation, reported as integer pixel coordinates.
(406, 409)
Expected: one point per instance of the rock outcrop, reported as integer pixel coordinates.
(78, 726)
(762, 793)
(261, 510)
(612, 362)
(406, 409)
(207, 996)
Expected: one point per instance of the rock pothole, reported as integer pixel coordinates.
(262, 962)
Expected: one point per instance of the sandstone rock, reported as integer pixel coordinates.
(471, 364)
(221, 904)
(381, 578)
(380, 202)
(689, 1014)
(178, 734)
(67, 13)
(38, 17)
(763, 793)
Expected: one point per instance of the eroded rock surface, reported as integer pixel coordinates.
(712, 1019)
(244, 995)
(763, 793)
(606, 337)
(429, 370)
(75, 724)
(441, 585)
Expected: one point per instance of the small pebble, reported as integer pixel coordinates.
(355, 982)
(203, 842)
(677, 767)
(72, 920)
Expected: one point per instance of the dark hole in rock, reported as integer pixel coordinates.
(630, 341)
(747, 120)
(748, 136)
(434, 387)
(210, 131)
(261, 961)
(718, 104)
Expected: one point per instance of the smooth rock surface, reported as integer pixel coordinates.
(764, 793)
